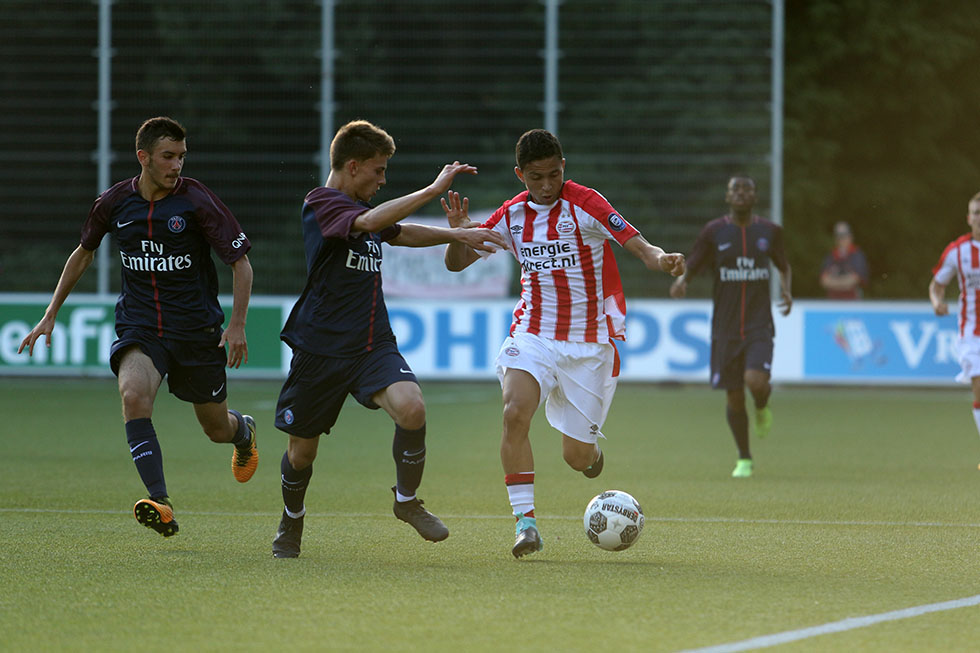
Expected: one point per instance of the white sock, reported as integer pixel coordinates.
(401, 498)
(520, 490)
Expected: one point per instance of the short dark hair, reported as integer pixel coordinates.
(154, 129)
(740, 175)
(535, 145)
(359, 140)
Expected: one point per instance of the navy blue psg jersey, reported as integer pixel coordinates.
(740, 257)
(169, 283)
(342, 310)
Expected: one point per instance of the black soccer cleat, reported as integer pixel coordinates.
(428, 525)
(595, 468)
(286, 544)
(528, 541)
(157, 514)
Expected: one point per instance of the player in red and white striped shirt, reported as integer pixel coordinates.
(559, 351)
(961, 259)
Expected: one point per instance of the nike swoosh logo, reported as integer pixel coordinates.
(134, 448)
(404, 371)
(724, 246)
(120, 225)
(214, 393)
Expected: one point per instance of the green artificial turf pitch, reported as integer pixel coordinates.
(863, 502)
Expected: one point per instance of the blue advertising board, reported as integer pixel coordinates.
(879, 343)
(901, 343)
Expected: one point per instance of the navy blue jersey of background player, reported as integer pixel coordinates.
(342, 310)
(740, 257)
(169, 283)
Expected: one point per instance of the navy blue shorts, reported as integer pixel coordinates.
(317, 386)
(730, 359)
(195, 369)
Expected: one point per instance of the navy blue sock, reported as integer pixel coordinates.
(738, 422)
(145, 448)
(241, 435)
(408, 449)
(294, 484)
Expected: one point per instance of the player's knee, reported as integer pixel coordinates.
(579, 458)
(216, 432)
(411, 414)
(735, 400)
(577, 454)
(135, 404)
(517, 416)
(300, 459)
(756, 380)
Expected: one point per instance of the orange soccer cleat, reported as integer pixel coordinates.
(157, 514)
(245, 460)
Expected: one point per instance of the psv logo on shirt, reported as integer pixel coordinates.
(565, 226)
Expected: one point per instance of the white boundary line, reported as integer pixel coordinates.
(678, 520)
(765, 641)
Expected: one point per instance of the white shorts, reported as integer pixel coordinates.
(968, 349)
(576, 380)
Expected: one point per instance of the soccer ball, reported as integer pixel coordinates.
(613, 520)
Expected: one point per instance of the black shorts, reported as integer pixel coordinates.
(730, 359)
(317, 386)
(195, 369)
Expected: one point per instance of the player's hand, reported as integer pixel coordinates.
(785, 303)
(942, 308)
(234, 337)
(672, 264)
(486, 240)
(43, 328)
(449, 172)
(457, 211)
(679, 288)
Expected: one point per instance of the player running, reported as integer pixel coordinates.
(559, 351)
(339, 332)
(961, 260)
(168, 320)
(739, 246)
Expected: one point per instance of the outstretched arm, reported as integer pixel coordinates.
(655, 258)
(388, 213)
(418, 235)
(75, 267)
(234, 335)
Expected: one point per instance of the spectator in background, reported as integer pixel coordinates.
(844, 273)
